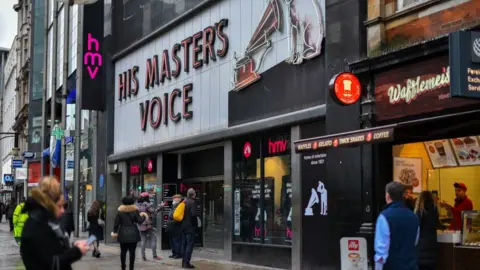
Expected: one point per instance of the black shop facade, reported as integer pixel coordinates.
(419, 126)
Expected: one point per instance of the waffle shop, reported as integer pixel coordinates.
(421, 127)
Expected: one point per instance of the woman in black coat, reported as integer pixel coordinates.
(44, 245)
(66, 220)
(427, 213)
(126, 229)
(95, 214)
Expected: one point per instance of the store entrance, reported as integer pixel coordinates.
(213, 222)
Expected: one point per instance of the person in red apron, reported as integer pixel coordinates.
(462, 203)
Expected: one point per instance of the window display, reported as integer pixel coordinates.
(262, 192)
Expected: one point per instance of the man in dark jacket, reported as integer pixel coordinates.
(175, 230)
(10, 210)
(189, 225)
(396, 234)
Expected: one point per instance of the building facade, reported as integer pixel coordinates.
(211, 97)
(8, 108)
(418, 107)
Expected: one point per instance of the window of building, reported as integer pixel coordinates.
(402, 4)
(262, 189)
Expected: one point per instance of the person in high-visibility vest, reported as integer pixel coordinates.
(19, 220)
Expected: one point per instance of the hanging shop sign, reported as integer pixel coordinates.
(247, 150)
(93, 86)
(345, 88)
(197, 50)
(464, 47)
(415, 89)
(345, 140)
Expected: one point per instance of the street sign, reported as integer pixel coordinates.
(70, 164)
(28, 155)
(17, 163)
(7, 178)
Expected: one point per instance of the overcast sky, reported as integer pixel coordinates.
(8, 23)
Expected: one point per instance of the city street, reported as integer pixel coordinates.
(10, 258)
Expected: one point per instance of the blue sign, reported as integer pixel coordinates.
(28, 155)
(101, 180)
(70, 164)
(17, 163)
(7, 178)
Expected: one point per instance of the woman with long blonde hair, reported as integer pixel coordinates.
(44, 244)
(96, 220)
(427, 212)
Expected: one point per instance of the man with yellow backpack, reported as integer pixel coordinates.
(19, 220)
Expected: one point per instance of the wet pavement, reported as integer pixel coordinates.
(110, 259)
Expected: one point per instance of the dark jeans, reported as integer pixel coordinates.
(130, 247)
(10, 221)
(176, 243)
(187, 246)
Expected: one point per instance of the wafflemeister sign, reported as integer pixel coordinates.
(343, 140)
(196, 51)
(465, 64)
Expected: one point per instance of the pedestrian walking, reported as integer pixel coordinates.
(66, 220)
(44, 245)
(396, 233)
(10, 210)
(2, 211)
(189, 226)
(19, 219)
(147, 230)
(96, 221)
(126, 230)
(175, 230)
(427, 213)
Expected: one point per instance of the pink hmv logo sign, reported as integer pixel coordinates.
(92, 59)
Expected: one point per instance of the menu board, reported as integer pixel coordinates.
(440, 153)
(467, 150)
(408, 171)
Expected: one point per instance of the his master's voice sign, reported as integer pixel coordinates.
(353, 253)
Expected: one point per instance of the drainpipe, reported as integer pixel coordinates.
(63, 124)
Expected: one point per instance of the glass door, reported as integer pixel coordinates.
(213, 227)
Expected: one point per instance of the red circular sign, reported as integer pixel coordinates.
(150, 165)
(247, 149)
(346, 88)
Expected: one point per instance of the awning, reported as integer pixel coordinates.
(382, 133)
(353, 138)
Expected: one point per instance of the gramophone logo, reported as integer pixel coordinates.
(304, 23)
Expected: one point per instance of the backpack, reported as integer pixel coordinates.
(179, 212)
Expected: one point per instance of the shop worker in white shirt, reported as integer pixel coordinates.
(397, 232)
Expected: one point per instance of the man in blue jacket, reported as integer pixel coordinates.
(396, 233)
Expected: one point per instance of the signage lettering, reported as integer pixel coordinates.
(200, 47)
(134, 169)
(92, 59)
(277, 146)
(354, 139)
(414, 87)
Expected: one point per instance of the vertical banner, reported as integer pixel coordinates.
(93, 90)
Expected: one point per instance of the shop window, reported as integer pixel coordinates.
(134, 178)
(262, 191)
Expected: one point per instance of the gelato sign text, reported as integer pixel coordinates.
(201, 48)
(414, 87)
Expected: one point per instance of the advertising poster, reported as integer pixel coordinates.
(467, 150)
(286, 207)
(408, 171)
(268, 209)
(353, 253)
(236, 213)
(440, 153)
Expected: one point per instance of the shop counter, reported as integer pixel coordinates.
(453, 255)
(466, 258)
